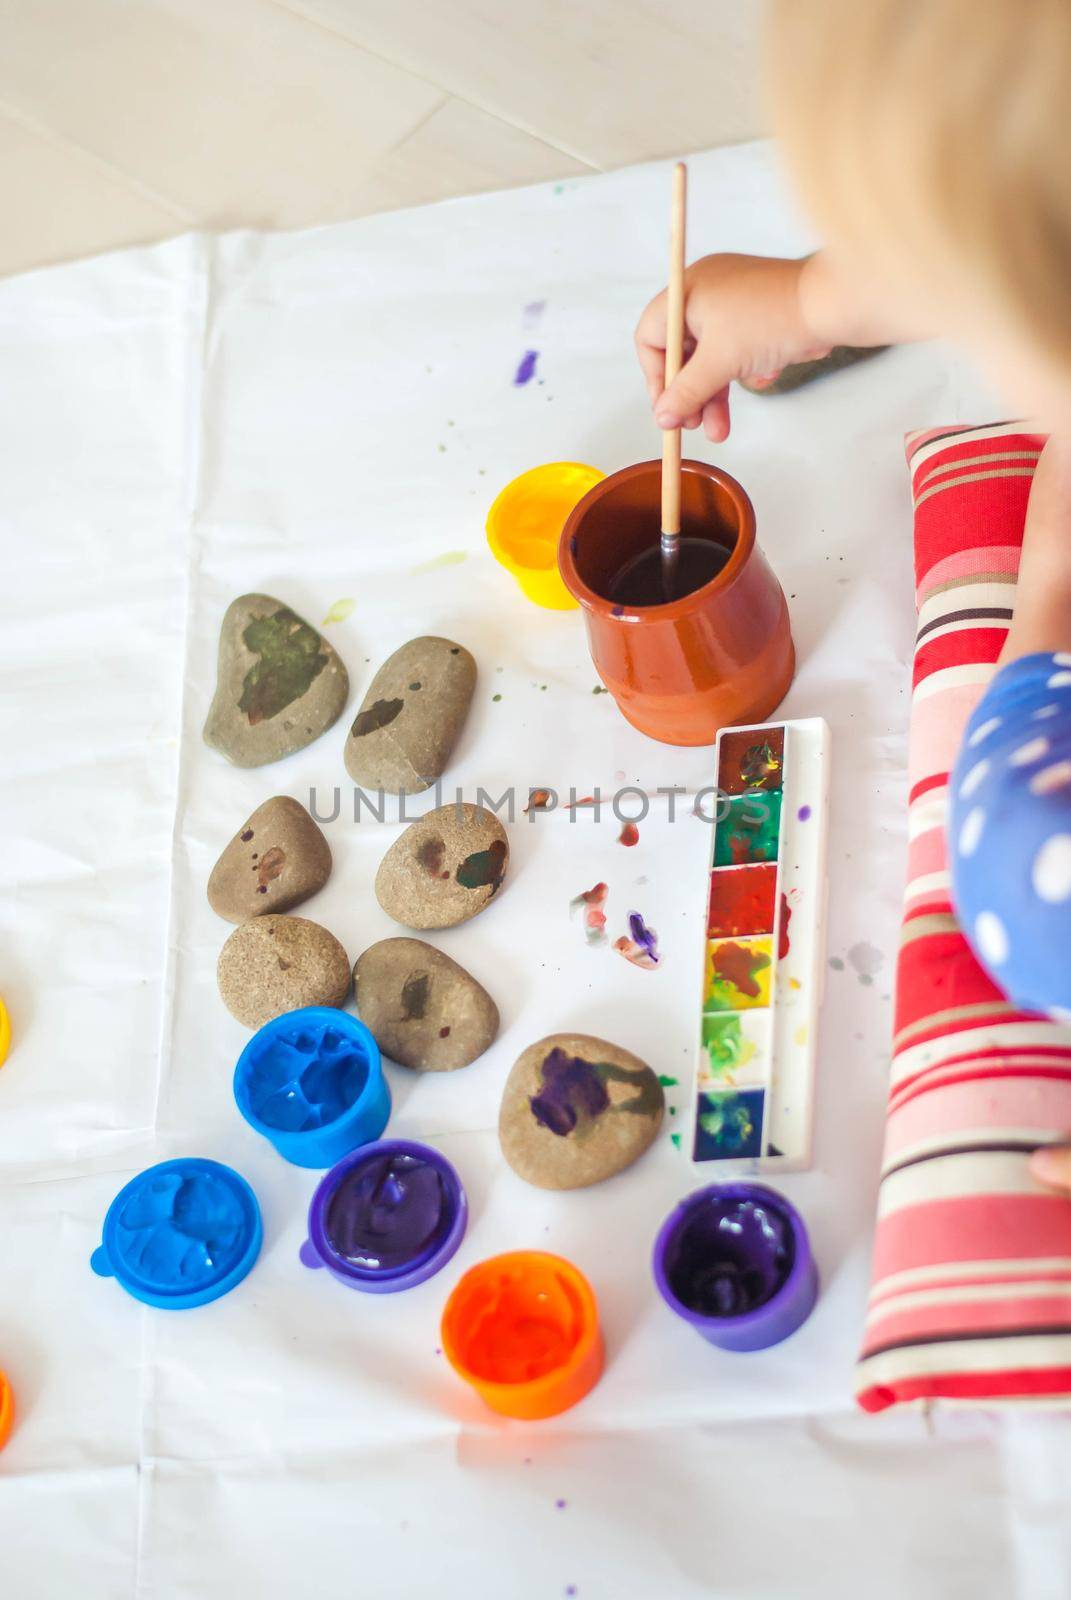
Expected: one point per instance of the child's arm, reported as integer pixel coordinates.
(1042, 619)
(747, 317)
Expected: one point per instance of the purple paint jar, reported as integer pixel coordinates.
(386, 1217)
(734, 1260)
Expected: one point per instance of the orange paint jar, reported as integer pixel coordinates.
(720, 655)
(523, 1330)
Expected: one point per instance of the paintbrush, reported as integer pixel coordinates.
(671, 437)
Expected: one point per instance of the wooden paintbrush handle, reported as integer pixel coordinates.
(671, 438)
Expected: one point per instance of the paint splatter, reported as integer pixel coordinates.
(430, 854)
(338, 612)
(640, 944)
(590, 905)
(483, 868)
(749, 831)
(525, 369)
(666, 1082)
(270, 867)
(378, 715)
(783, 941)
(496, 697)
(533, 313)
(728, 1048)
(449, 558)
(600, 688)
(538, 800)
(836, 963)
(729, 1122)
(560, 1505)
(573, 1093)
(742, 901)
(804, 813)
(738, 973)
(629, 834)
(415, 996)
(736, 965)
(746, 765)
(290, 659)
(675, 1140)
(866, 960)
(759, 765)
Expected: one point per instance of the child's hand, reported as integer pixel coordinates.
(743, 318)
(1052, 1165)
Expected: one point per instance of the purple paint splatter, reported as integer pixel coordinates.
(640, 944)
(526, 369)
(533, 311)
(560, 1505)
(803, 813)
(572, 1088)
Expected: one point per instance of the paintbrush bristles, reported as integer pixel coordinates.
(671, 438)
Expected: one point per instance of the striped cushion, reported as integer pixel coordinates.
(971, 1290)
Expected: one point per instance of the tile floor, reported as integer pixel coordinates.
(124, 121)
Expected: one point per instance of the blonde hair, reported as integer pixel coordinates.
(936, 135)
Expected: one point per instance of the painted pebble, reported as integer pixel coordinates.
(277, 859)
(276, 964)
(411, 717)
(424, 1010)
(444, 869)
(279, 684)
(577, 1109)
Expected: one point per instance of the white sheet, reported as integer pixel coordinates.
(315, 415)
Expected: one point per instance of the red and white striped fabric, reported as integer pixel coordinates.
(971, 1282)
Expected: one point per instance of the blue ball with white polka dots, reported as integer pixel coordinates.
(1009, 833)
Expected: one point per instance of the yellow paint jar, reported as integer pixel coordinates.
(525, 523)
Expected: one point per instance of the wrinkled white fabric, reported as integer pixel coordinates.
(318, 415)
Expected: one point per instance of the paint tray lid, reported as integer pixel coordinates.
(180, 1234)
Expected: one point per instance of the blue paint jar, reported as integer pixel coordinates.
(311, 1082)
(180, 1234)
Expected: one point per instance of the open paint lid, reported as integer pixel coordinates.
(525, 523)
(180, 1234)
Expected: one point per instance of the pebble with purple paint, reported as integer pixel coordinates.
(577, 1109)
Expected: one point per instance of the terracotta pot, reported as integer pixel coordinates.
(722, 654)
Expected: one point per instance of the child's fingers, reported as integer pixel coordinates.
(1052, 1166)
(653, 365)
(701, 378)
(716, 417)
(650, 340)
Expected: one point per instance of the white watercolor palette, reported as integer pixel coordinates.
(763, 969)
